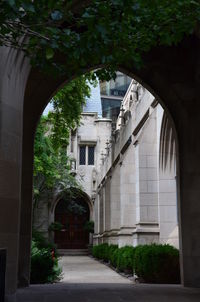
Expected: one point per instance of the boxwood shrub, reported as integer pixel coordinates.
(111, 250)
(154, 263)
(114, 257)
(125, 258)
(100, 251)
(103, 251)
(157, 263)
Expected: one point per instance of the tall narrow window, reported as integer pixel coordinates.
(82, 155)
(90, 155)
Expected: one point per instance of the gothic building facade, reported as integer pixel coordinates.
(126, 168)
(136, 199)
(128, 171)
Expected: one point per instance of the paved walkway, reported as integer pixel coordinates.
(86, 280)
(83, 269)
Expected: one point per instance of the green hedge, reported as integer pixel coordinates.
(157, 263)
(154, 263)
(114, 257)
(103, 251)
(44, 260)
(125, 258)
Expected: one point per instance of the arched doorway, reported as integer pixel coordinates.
(170, 73)
(72, 214)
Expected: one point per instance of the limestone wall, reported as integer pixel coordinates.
(93, 131)
(138, 195)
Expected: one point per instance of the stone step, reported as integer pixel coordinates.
(73, 252)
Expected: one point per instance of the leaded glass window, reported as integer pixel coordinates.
(90, 155)
(82, 155)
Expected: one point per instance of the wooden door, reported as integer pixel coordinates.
(73, 235)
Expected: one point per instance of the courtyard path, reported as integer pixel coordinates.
(84, 269)
(86, 280)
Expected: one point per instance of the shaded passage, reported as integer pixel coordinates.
(86, 280)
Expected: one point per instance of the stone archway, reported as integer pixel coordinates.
(80, 197)
(168, 176)
(77, 192)
(171, 74)
(73, 214)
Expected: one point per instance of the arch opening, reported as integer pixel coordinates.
(159, 65)
(134, 98)
(170, 73)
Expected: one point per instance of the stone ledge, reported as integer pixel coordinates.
(146, 231)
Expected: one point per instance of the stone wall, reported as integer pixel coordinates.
(93, 131)
(138, 194)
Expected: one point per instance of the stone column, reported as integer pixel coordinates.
(96, 220)
(146, 184)
(12, 87)
(104, 210)
(115, 205)
(127, 197)
(26, 215)
(35, 101)
(107, 204)
(189, 181)
(101, 214)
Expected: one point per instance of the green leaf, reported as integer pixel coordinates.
(56, 15)
(28, 7)
(11, 2)
(49, 53)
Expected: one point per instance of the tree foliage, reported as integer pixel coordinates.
(67, 107)
(102, 32)
(51, 164)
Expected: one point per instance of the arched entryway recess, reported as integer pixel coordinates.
(171, 74)
(72, 209)
(72, 212)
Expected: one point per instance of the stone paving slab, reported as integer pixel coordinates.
(87, 284)
(84, 269)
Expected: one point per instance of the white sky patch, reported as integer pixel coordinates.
(48, 108)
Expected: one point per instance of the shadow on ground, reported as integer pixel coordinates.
(87, 280)
(61, 292)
